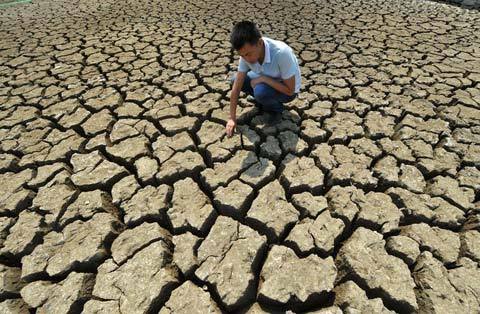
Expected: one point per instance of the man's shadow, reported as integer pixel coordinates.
(274, 142)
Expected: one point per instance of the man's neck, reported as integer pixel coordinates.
(262, 54)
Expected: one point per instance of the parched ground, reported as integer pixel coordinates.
(120, 192)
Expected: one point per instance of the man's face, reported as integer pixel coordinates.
(251, 53)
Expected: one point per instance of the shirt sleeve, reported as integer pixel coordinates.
(242, 65)
(288, 64)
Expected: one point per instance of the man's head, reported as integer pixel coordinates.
(245, 39)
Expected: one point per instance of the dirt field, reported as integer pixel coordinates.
(122, 194)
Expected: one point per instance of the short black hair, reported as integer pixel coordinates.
(244, 32)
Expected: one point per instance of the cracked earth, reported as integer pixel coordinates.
(122, 194)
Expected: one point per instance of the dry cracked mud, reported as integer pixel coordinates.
(120, 192)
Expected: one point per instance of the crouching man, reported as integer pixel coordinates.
(268, 70)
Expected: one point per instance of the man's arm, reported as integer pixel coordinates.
(287, 86)
(237, 87)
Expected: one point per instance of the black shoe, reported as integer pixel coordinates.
(273, 118)
(259, 107)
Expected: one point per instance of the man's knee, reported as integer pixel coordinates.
(262, 93)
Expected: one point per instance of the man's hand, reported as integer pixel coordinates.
(286, 87)
(230, 128)
(256, 81)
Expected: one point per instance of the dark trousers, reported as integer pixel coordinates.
(270, 99)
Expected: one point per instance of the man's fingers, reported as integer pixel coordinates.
(230, 131)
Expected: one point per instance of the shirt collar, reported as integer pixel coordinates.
(266, 58)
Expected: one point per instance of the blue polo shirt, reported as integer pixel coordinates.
(279, 63)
